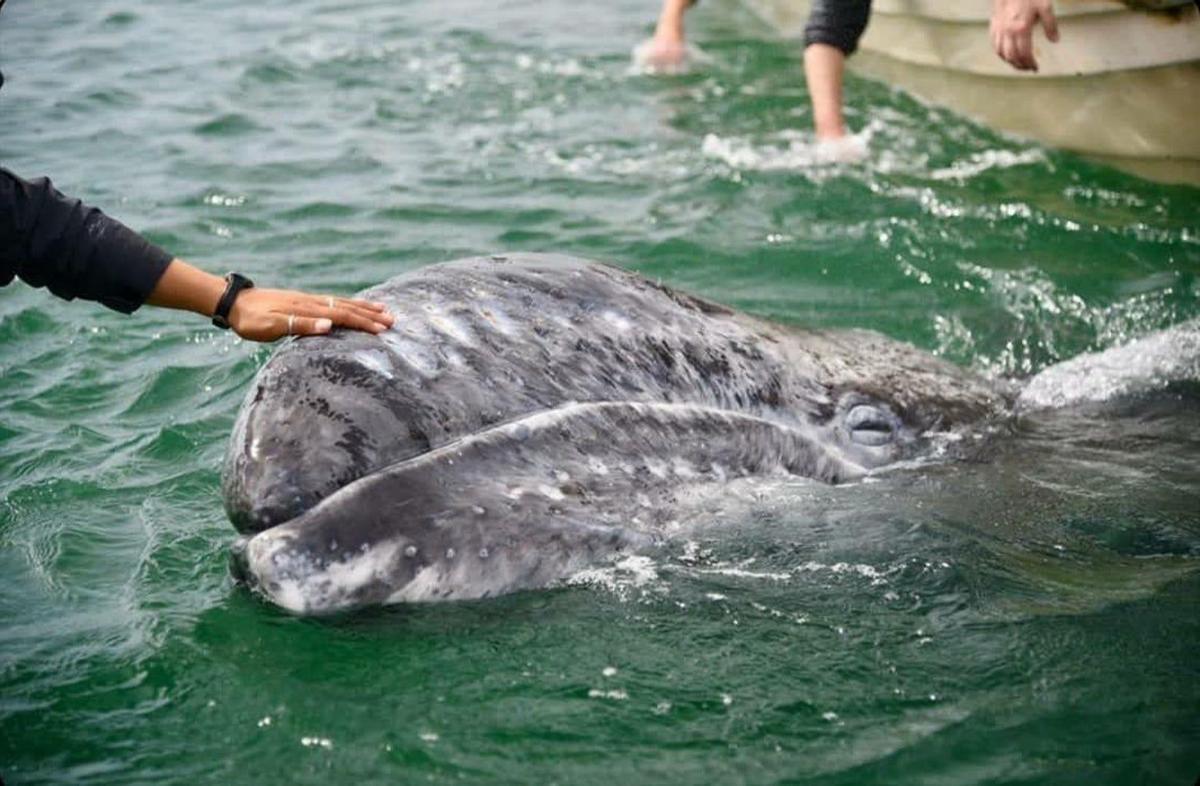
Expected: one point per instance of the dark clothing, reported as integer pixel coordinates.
(51, 240)
(838, 23)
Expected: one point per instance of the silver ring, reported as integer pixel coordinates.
(291, 321)
(330, 302)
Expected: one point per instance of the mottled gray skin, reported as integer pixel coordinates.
(540, 411)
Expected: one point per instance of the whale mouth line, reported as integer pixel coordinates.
(538, 423)
(532, 426)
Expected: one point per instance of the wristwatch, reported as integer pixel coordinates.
(234, 283)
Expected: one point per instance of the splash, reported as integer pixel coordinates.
(645, 60)
(798, 151)
(1143, 366)
(628, 576)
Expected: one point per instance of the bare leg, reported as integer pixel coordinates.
(666, 49)
(823, 67)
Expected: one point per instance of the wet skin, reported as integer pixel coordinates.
(566, 400)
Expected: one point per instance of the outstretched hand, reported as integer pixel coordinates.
(270, 314)
(266, 314)
(1011, 28)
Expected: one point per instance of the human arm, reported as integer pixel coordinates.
(51, 240)
(1011, 29)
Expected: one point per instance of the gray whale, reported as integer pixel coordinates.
(529, 414)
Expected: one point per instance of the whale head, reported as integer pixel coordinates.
(884, 401)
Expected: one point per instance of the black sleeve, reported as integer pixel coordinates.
(838, 23)
(51, 240)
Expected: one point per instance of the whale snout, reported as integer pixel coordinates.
(304, 569)
(258, 504)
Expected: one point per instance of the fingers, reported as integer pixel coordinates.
(345, 312)
(1050, 23)
(1023, 48)
(1016, 49)
(270, 314)
(1012, 27)
(360, 319)
(307, 326)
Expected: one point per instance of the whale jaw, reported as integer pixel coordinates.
(518, 506)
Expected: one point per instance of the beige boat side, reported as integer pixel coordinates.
(1122, 84)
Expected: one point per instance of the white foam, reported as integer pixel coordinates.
(643, 60)
(838, 568)
(798, 152)
(742, 573)
(631, 572)
(988, 159)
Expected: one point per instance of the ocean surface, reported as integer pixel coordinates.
(1032, 617)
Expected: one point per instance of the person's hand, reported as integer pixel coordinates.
(269, 314)
(666, 51)
(1012, 27)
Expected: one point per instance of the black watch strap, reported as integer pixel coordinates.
(234, 283)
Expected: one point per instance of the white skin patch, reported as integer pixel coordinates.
(468, 578)
(450, 325)
(297, 583)
(682, 469)
(374, 361)
(413, 354)
(551, 493)
(656, 469)
(618, 321)
(497, 319)
(424, 586)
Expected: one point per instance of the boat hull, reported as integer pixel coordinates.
(1121, 85)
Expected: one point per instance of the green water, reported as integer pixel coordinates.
(1030, 618)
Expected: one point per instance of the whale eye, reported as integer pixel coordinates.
(870, 425)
